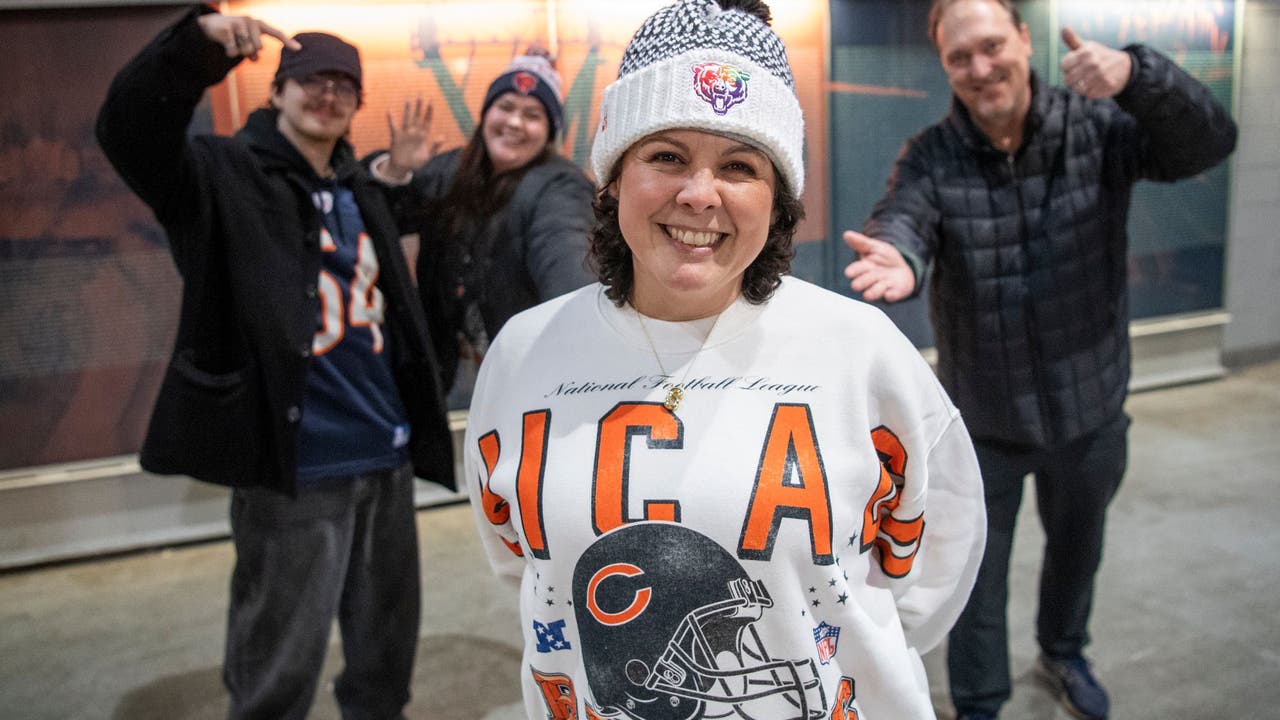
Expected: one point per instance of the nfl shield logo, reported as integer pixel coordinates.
(825, 637)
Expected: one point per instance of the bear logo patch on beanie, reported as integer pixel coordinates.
(524, 82)
(720, 84)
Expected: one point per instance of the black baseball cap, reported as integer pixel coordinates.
(320, 53)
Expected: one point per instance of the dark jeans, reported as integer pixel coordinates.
(1074, 485)
(350, 550)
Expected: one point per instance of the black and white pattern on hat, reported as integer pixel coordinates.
(694, 24)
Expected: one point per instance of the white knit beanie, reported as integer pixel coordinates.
(705, 65)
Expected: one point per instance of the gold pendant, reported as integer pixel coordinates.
(674, 396)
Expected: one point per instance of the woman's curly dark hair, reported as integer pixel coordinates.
(611, 256)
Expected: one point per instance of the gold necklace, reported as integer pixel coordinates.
(676, 393)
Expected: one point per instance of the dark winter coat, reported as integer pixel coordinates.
(1028, 287)
(244, 235)
(531, 250)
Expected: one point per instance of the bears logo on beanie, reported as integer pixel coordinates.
(705, 65)
(532, 75)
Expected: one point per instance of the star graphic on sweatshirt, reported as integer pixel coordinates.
(843, 598)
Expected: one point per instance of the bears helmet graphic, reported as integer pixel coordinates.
(666, 624)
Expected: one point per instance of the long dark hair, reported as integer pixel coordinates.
(611, 256)
(477, 193)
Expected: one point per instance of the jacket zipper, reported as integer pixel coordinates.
(1028, 304)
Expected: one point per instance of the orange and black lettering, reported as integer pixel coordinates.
(879, 526)
(495, 507)
(533, 463)
(790, 450)
(893, 467)
(904, 534)
(843, 708)
(558, 693)
(609, 488)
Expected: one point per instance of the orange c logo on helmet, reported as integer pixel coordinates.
(638, 604)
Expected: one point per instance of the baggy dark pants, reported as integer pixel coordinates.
(1074, 485)
(348, 550)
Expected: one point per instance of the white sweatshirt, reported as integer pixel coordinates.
(783, 545)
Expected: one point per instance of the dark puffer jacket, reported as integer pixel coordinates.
(245, 237)
(1029, 297)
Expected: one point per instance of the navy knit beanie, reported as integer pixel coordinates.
(531, 76)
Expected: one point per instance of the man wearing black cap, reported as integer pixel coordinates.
(301, 375)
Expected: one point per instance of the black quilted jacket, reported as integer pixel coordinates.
(1028, 251)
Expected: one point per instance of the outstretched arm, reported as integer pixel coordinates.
(898, 239)
(1177, 129)
(880, 272)
(142, 124)
(558, 228)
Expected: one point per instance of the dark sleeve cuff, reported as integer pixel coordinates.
(1135, 69)
(917, 266)
(185, 45)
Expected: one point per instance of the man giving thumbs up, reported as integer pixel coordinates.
(1018, 199)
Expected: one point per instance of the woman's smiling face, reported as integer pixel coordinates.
(515, 130)
(694, 208)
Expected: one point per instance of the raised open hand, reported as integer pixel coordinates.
(411, 142)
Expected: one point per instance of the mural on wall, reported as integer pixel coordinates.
(448, 53)
(87, 289)
(90, 295)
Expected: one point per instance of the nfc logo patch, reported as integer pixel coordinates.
(550, 636)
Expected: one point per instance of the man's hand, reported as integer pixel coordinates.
(880, 272)
(411, 142)
(1093, 69)
(241, 35)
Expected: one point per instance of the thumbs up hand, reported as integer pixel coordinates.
(1093, 69)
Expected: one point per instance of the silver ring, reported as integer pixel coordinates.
(242, 39)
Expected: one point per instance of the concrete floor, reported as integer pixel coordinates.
(1185, 620)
